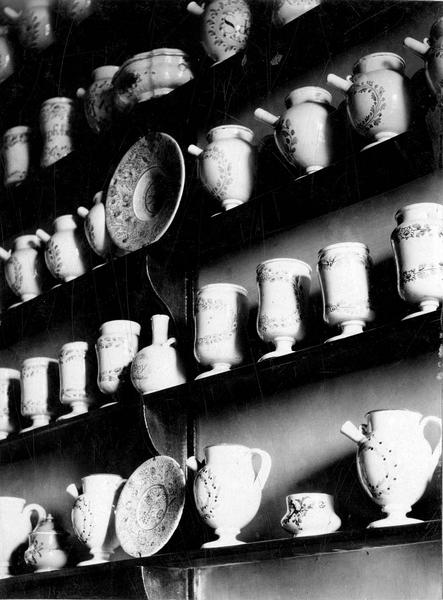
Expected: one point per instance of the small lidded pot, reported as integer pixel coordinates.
(44, 551)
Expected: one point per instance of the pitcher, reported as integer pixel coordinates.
(227, 491)
(394, 460)
(15, 526)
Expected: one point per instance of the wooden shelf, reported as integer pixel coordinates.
(124, 578)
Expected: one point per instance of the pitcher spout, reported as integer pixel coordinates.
(192, 463)
(72, 490)
(352, 432)
(339, 83)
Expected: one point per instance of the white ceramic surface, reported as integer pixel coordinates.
(7, 60)
(116, 348)
(98, 99)
(16, 154)
(310, 513)
(75, 378)
(24, 267)
(77, 10)
(9, 402)
(44, 552)
(285, 11)
(431, 50)
(96, 231)
(34, 23)
(57, 119)
(227, 490)
(39, 377)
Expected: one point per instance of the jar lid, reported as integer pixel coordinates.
(47, 525)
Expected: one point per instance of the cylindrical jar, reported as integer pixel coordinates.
(9, 400)
(16, 154)
(57, 121)
(39, 389)
(75, 377)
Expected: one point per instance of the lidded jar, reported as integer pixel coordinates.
(44, 551)
(24, 267)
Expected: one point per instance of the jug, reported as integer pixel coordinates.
(431, 51)
(44, 552)
(24, 267)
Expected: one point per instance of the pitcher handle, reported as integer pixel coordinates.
(39, 510)
(266, 463)
(437, 450)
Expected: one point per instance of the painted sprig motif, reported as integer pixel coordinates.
(228, 23)
(376, 93)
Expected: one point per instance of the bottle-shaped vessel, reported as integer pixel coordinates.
(227, 489)
(44, 552)
(98, 99)
(24, 267)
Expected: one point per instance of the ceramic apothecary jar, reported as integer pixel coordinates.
(93, 515)
(116, 348)
(76, 10)
(225, 26)
(15, 526)
(6, 54)
(431, 51)
(40, 383)
(221, 315)
(344, 274)
(75, 378)
(9, 401)
(34, 23)
(310, 513)
(57, 124)
(65, 253)
(96, 231)
(227, 165)
(227, 489)
(283, 291)
(306, 134)
(98, 99)
(285, 11)
(395, 462)
(157, 366)
(44, 552)
(24, 267)
(378, 96)
(417, 242)
(16, 155)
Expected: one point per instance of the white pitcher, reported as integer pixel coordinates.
(394, 460)
(24, 267)
(227, 490)
(15, 526)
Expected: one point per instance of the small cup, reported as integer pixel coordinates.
(310, 514)
(9, 386)
(15, 153)
(39, 389)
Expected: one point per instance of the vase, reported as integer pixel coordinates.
(96, 231)
(9, 401)
(285, 11)
(378, 96)
(34, 24)
(225, 26)
(220, 315)
(116, 348)
(431, 51)
(157, 366)
(57, 121)
(15, 526)
(65, 253)
(98, 99)
(417, 243)
(306, 134)
(6, 54)
(310, 513)
(39, 378)
(227, 489)
(92, 515)
(283, 290)
(44, 552)
(75, 378)
(395, 462)
(15, 154)
(227, 165)
(344, 273)
(24, 267)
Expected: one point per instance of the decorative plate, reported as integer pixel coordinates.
(145, 191)
(150, 506)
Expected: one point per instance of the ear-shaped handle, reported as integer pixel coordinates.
(265, 468)
(41, 513)
(437, 450)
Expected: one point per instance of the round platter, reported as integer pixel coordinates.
(145, 191)
(150, 506)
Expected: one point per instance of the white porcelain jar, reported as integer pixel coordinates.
(116, 348)
(16, 154)
(9, 399)
(57, 120)
(39, 376)
(75, 378)
(310, 513)
(24, 267)
(99, 98)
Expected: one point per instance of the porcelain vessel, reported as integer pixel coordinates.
(283, 292)
(6, 54)
(150, 74)
(225, 26)
(9, 401)
(34, 24)
(394, 460)
(344, 273)
(93, 518)
(285, 11)
(227, 490)
(378, 96)
(310, 513)
(15, 155)
(24, 267)
(116, 348)
(227, 165)
(75, 378)
(44, 552)
(306, 133)
(39, 378)
(57, 122)
(98, 99)
(15, 526)
(157, 366)
(221, 315)
(95, 226)
(76, 10)
(65, 253)
(431, 50)
(417, 243)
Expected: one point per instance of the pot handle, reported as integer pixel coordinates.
(45, 237)
(170, 342)
(39, 510)
(195, 9)
(266, 463)
(437, 450)
(194, 150)
(265, 116)
(418, 48)
(82, 212)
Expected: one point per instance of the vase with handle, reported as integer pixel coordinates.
(24, 267)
